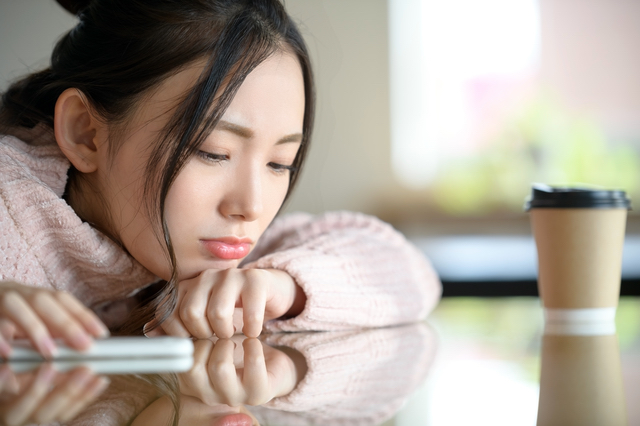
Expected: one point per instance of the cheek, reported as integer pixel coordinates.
(276, 197)
(144, 241)
(188, 203)
(273, 197)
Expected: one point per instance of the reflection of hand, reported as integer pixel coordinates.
(44, 395)
(238, 371)
(206, 304)
(194, 413)
(40, 314)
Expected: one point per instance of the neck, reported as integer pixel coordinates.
(82, 194)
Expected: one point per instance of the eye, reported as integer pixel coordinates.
(281, 168)
(211, 157)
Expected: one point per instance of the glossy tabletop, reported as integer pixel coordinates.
(492, 352)
(474, 361)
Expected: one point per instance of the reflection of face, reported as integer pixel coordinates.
(194, 413)
(224, 197)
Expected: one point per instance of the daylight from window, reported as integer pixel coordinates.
(472, 122)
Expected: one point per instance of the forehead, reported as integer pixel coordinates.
(274, 90)
(276, 80)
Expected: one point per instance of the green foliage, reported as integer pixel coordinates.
(543, 143)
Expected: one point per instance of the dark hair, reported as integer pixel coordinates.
(120, 49)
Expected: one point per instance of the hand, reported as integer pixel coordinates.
(238, 371)
(45, 396)
(193, 412)
(209, 303)
(41, 315)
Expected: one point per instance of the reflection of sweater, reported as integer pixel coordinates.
(354, 377)
(355, 270)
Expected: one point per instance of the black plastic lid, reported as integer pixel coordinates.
(543, 196)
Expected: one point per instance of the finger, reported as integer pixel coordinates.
(196, 381)
(222, 302)
(8, 382)
(7, 329)
(13, 306)
(173, 326)
(193, 308)
(238, 353)
(282, 373)
(222, 373)
(254, 300)
(22, 407)
(238, 322)
(155, 332)
(254, 375)
(202, 352)
(59, 321)
(65, 394)
(5, 348)
(85, 316)
(93, 390)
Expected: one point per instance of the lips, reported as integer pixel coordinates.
(228, 248)
(234, 420)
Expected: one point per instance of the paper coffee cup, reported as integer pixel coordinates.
(579, 235)
(581, 381)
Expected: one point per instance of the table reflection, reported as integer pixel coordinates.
(581, 376)
(488, 367)
(44, 395)
(352, 377)
(496, 363)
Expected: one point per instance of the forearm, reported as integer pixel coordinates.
(353, 270)
(352, 375)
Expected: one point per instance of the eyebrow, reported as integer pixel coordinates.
(247, 133)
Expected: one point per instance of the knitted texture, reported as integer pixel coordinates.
(355, 271)
(44, 243)
(353, 377)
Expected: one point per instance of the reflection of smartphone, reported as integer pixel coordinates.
(113, 365)
(110, 348)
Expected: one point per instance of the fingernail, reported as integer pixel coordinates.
(4, 374)
(47, 373)
(102, 331)
(48, 347)
(12, 386)
(99, 387)
(81, 341)
(80, 377)
(5, 350)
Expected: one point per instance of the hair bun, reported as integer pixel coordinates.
(74, 6)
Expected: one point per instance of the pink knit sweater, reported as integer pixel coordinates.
(355, 270)
(354, 378)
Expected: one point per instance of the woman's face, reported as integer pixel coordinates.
(225, 196)
(194, 413)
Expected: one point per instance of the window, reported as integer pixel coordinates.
(488, 96)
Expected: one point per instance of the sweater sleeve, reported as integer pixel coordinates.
(355, 270)
(353, 377)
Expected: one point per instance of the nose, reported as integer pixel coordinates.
(243, 197)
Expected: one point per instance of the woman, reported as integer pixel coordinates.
(140, 173)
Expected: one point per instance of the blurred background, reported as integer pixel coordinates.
(438, 115)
